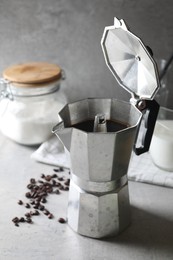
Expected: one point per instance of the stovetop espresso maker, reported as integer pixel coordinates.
(99, 135)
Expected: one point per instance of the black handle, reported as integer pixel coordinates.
(150, 110)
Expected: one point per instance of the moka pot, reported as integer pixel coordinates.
(99, 135)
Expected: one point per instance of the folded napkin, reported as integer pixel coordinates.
(141, 167)
(51, 152)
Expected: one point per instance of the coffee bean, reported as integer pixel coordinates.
(46, 212)
(56, 170)
(41, 207)
(27, 206)
(42, 194)
(61, 187)
(48, 177)
(66, 188)
(50, 190)
(29, 220)
(36, 206)
(36, 213)
(30, 186)
(36, 187)
(16, 224)
(31, 213)
(61, 220)
(32, 180)
(15, 220)
(20, 202)
(28, 214)
(50, 215)
(61, 169)
(67, 182)
(58, 184)
(38, 199)
(53, 182)
(57, 191)
(42, 175)
(28, 195)
(40, 181)
(43, 200)
(54, 175)
(21, 219)
(60, 178)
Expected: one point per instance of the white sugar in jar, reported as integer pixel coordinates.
(31, 101)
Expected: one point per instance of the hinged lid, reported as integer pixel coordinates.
(32, 73)
(129, 61)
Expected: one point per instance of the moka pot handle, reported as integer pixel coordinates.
(150, 109)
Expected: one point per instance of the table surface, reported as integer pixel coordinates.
(150, 235)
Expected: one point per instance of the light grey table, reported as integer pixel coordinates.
(150, 235)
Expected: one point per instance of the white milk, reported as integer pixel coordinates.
(161, 148)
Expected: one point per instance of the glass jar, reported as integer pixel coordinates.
(31, 98)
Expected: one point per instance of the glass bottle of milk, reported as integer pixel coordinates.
(161, 148)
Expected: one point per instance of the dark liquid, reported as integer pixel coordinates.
(112, 126)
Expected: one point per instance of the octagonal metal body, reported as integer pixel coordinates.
(98, 215)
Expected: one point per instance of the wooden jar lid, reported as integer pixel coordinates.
(32, 73)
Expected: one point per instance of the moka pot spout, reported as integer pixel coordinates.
(63, 134)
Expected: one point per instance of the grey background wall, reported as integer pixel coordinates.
(68, 32)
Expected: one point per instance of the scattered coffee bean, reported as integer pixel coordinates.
(46, 212)
(28, 214)
(61, 187)
(53, 182)
(16, 224)
(50, 216)
(36, 206)
(38, 192)
(40, 181)
(56, 170)
(27, 205)
(43, 200)
(41, 207)
(48, 177)
(32, 180)
(58, 184)
(60, 178)
(67, 182)
(36, 213)
(15, 220)
(20, 202)
(54, 175)
(66, 188)
(21, 219)
(30, 186)
(29, 220)
(57, 191)
(42, 175)
(35, 187)
(61, 220)
(28, 195)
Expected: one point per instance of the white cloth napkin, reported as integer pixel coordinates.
(51, 152)
(141, 167)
